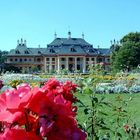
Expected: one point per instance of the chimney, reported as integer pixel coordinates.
(69, 35)
(17, 42)
(114, 42)
(25, 42)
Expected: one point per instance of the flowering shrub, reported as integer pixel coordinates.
(135, 89)
(118, 88)
(111, 88)
(39, 113)
(8, 78)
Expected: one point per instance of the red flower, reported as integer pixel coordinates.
(66, 128)
(12, 103)
(126, 128)
(40, 112)
(68, 90)
(18, 134)
(52, 84)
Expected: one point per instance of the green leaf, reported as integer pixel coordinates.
(86, 111)
(81, 104)
(89, 126)
(119, 134)
(95, 99)
(106, 103)
(105, 128)
(87, 90)
(103, 113)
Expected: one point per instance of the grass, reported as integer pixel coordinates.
(132, 107)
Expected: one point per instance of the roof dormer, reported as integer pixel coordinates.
(26, 52)
(52, 50)
(17, 52)
(73, 49)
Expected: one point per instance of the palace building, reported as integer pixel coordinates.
(71, 54)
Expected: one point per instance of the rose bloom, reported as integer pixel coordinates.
(36, 113)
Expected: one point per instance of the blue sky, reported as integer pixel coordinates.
(37, 20)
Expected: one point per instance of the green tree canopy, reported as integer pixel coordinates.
(128, 54)
(3, 56)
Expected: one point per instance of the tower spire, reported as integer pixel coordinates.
(17, 42)
(21, 41)
(83, 36)
(55, 35)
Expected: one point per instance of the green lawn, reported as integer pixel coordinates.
(133, 107)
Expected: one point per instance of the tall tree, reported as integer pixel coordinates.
(128, 54)
(3, 56)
